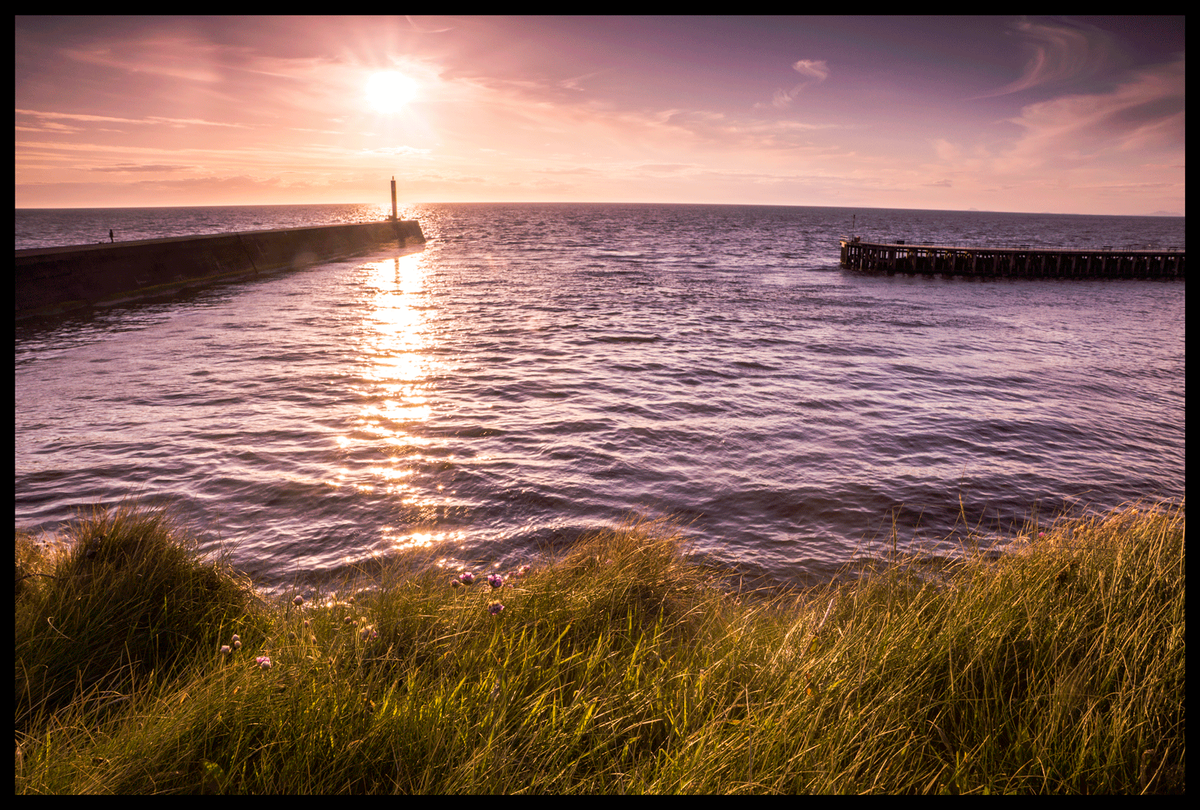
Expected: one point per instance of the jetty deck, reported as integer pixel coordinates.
(1013, 262)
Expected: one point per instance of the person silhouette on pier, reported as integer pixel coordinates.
(110, 236)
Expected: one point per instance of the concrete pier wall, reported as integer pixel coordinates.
(50, 280)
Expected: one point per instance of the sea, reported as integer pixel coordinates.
(539, 371)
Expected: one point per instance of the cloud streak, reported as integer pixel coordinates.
(1146, 112)
(817, 71)
(1059, 53)
(1126, 142)
(150, 119)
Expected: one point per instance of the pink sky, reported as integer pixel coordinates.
(1065, 115)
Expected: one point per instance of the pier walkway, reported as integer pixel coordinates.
(1018, 262)
(52, 280)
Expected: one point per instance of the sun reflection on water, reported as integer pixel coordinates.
(399, 373)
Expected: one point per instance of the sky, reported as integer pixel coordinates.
(1062, 115)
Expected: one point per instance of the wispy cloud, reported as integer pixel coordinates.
(176, 56)
(1145, 112)
(668, 168)
(813, 68)
(1059, 53)
(817, 71)
(396, 150)
(422, 26)
(576, 82)
(142, 167)
(1078, 144)
(149, 119)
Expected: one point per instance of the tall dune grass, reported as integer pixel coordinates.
(618, 667)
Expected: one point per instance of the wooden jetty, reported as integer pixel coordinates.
(1018, 262)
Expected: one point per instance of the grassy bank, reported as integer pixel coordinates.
(619, 667)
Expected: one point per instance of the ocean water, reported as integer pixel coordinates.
(537, 371)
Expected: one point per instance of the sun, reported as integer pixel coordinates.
(388, 91)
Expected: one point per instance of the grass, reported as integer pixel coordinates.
(619, 667)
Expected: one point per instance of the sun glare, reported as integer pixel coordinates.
(388, 91)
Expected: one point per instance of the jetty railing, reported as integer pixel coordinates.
(1013, 262)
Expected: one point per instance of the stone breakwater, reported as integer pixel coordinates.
(50, 280)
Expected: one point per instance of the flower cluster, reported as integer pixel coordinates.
(235, 643)
(496, 581)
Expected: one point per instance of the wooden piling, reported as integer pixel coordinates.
(1012, 262)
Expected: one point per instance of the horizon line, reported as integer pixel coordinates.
(597, 202)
